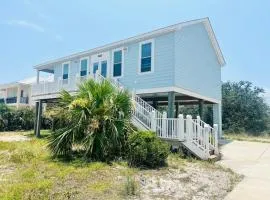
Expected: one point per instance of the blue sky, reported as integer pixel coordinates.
(35, 31)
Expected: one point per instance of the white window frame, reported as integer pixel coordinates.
(122, 62)
(152, 41)
(68, 62)
(87, 68)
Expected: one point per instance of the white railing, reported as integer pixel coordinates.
(70, 84)
(195, 134)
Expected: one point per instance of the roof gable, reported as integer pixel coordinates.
(141, 37)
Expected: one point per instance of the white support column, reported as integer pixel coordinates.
(189, 128)
(164, 125)
(6, 95)
(198, 125)
(217, 118)
(216, 139)
(181, 134)
(18, 96)
(37, 76)
(153, 121)
(206, 139)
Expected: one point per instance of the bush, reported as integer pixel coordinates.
(95, 122)
(146, 150)
(16, 119)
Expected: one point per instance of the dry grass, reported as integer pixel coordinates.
(28, 172)
(247, 137)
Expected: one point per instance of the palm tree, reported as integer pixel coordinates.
(97, 120)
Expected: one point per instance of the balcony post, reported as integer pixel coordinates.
(18, 96)
(37, 76)
(38, 118)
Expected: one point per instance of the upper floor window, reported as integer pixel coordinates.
(146, 56)
(117, 63)
(65, 70)
(84, 66)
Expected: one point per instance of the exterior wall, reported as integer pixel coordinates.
(196, 65)
(163, 65)
(12, 92)
(162, 76)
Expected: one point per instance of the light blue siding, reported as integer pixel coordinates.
(196, 65)
(163, 65)
(184, 59)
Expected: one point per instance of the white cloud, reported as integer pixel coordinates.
(25, 24)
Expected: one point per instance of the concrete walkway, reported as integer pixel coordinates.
(252, 159)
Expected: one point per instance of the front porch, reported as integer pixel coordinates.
(174, 103)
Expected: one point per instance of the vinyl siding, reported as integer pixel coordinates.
(184, 58)
(196, 65)
(162, 75)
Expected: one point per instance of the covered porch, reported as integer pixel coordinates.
(174, 103)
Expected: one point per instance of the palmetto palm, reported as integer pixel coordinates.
(98, 119)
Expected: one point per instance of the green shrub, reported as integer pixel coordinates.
(16, 119)
(96, 119)
(146, 150)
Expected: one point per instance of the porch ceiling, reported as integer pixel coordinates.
(162, 98)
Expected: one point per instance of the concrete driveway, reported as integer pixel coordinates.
(252, 159)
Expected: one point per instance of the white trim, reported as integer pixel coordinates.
(178, 90)
(214, 42)
(152, 41)
(69, 63)
(138, 38)
(84, 58)
(122, 62)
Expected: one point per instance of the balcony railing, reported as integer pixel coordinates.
(11, 100)
(48, 88)
(24, 100)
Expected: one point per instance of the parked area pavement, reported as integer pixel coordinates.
(251, 159)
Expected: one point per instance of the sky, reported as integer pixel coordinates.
(34, 31)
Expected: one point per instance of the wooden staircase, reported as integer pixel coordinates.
(195, 135)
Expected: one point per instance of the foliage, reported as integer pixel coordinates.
(193, 110)
(130, 186)
(96, 121)
(146, 150)
(16, 119)
(244, 108)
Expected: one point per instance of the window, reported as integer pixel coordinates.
(65, 71)
(104, 68)
(117, 63)
(84, 66)
(21, 93)
(95, 67)
(146, 62)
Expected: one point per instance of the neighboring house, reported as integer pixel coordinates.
(177, 65)
(18, 93)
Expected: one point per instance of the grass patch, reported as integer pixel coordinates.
(265, 138)
(36, 175)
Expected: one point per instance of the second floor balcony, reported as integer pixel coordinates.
(69, 84)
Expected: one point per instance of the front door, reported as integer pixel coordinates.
(100, 62)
